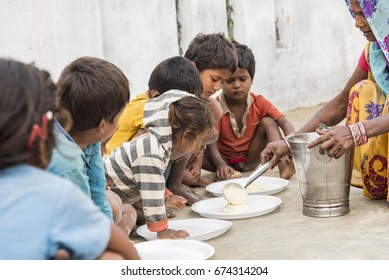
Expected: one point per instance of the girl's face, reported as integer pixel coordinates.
(182, 147)
(237, 86)
(212, 80)
(361, 22)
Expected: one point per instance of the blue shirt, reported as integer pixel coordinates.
(83, 167)
(40, 212)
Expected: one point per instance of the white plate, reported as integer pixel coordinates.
(199, 229)
(178, 249)
(259, 205)
(276, 184)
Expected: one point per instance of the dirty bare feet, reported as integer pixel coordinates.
(202, 182)
(286, 170)
(188, 193)
(236, 175)
(175, 202)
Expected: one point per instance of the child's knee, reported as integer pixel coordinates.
(286, 170)
(130, 212)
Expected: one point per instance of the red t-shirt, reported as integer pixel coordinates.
(233, 143)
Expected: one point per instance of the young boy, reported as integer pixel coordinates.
(173, 73)
(215, 58)
(176, 121)
(249, 121)
(94, 92)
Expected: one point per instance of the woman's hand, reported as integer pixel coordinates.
(172, 234)
(335, 141)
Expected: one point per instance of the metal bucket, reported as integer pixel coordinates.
(324, 181)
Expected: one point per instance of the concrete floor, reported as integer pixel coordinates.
(286, 234)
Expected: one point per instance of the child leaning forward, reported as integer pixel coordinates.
(176, 122)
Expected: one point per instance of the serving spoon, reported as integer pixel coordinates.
(236, 193)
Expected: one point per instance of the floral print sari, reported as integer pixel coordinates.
(369, 99)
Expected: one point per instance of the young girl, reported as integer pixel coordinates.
(42, 214)
(249, 121)
(176, 122)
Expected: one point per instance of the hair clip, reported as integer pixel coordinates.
(38, 131)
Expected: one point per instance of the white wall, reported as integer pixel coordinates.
(316, 49)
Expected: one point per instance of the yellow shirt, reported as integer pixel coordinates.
(130, 122)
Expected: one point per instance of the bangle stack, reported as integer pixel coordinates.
(359, 134)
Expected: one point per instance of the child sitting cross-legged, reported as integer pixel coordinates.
(248, 123)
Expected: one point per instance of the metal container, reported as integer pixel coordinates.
(324, 181)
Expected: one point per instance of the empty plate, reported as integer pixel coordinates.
(199, 229)
(258, 205)
(263, 185)
(178, 249)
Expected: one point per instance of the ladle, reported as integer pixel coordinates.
(236, 193)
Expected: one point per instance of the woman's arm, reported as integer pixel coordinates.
(335, 110)
(331, 114)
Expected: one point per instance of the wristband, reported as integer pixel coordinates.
(285, 138)
(161, 233)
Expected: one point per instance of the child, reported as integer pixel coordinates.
(249, 121)
(95, 92)
(173, 73)
(42, 214)
(176, 121)
(215, 58)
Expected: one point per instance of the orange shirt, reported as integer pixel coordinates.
(233, 143)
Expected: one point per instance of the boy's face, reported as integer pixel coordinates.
(212, 80)
(237, 86)
(110, 128)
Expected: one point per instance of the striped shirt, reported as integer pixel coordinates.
(136, 168)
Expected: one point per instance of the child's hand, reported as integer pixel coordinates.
(175, 201)
(224, 172)
(172, 234)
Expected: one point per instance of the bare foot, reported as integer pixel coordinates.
(175, 202)
(202, 182)
(188, 193)
(286, 170)
(236, 175)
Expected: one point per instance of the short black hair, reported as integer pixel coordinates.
(246, 58)
(176, 72)
(92, 89)
(212, 51)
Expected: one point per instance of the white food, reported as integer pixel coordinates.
(232, 209)
(236, 197)
(235, 194)
(258, 187)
